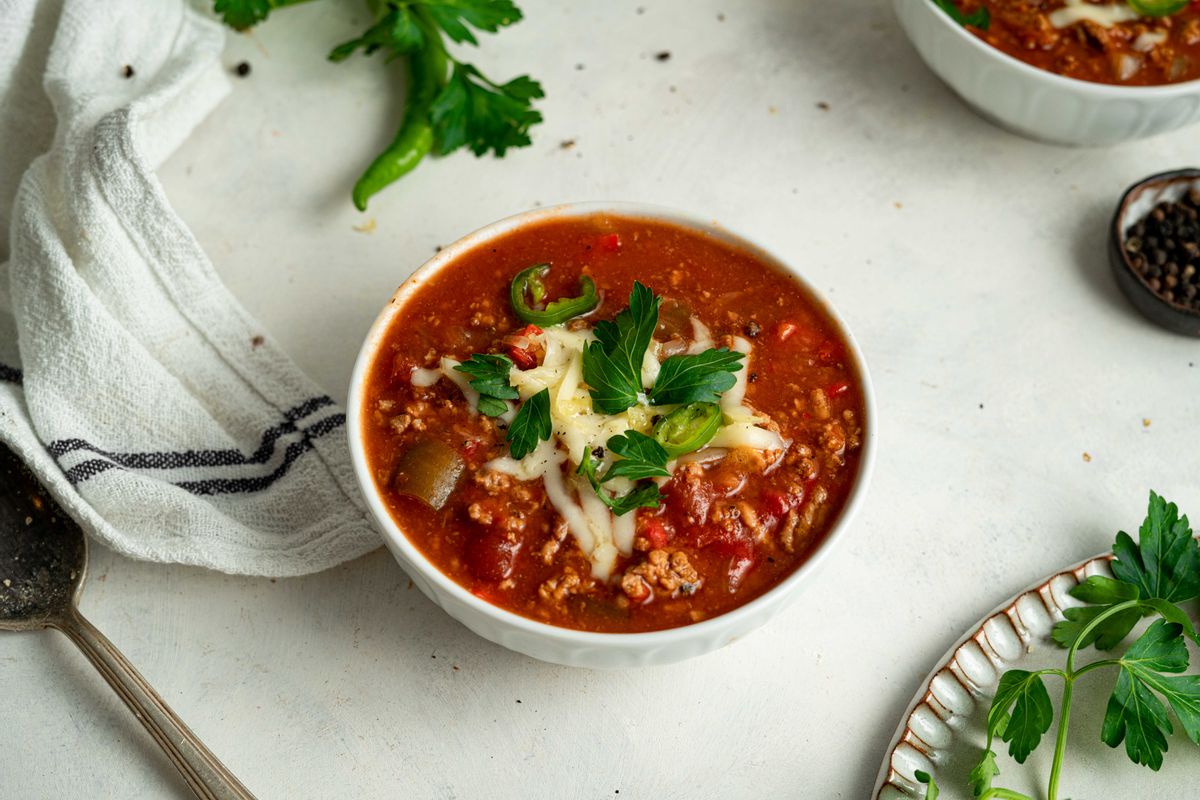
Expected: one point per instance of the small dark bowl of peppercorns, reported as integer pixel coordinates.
(1154, 249)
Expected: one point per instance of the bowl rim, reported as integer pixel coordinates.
(396, 537)
(1075, 84)
(1118, 226)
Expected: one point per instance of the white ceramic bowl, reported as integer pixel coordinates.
(1037, 103)
(548, 642)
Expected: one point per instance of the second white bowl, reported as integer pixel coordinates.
(1037, 103)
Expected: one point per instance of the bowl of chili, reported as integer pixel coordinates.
(610, 435)
(1052, 72)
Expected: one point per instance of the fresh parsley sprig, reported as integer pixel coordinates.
(489, 376)
(1150, 579)
(449, 103)
(641, 458)
(612, 365)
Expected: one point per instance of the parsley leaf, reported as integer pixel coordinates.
(645, 495)
(984, 773)
(531, 425)
(489, 377)
(1021, 712)
(243, 14)
(1166, 561)
(1100, 590)
(1163, 566)
(1105, 636)
(698, 378)
(491, 407)
(1135, 714)
(641, 457)
(980, 18)
(474, 111)
(612, 365)
(453, 16)
(397, 30)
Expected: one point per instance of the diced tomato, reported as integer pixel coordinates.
(491, 556)
(640, 594)
(610, 242)
(841, 387)
(777, 503)
(742, 558)
(829, 352)
(530, 330)
(655, 531)
(522, 357)
(469, 448)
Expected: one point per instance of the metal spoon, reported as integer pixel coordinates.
(43, 558)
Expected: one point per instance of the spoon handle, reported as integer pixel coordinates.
(206, 776)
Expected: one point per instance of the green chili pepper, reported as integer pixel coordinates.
(688, 428)
(427, 72)
(529, 281)
(1158, 8)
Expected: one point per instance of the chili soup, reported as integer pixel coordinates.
(1140, 43)
(613, 424)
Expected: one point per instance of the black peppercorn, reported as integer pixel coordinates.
(1164, 248)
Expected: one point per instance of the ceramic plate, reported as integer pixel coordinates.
(943, 733)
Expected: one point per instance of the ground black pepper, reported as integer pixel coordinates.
(1164, 248)
(242, 69)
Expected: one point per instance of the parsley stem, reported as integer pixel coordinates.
(1108, 662)
(1060, 743)
(1064, 717)
(1112, 611)
(1003, 794)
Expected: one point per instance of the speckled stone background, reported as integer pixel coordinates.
(969, 263)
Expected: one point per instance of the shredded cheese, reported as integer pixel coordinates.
(577, 428)
(1079, 10)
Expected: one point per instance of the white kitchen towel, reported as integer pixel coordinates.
(131, 381)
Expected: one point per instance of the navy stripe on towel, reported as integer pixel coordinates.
(260, 482)
(209, 458)
(199, 458)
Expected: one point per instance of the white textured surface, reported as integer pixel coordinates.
(987, 286)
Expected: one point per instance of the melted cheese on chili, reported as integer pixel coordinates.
(577, 428)
(1081, 10)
